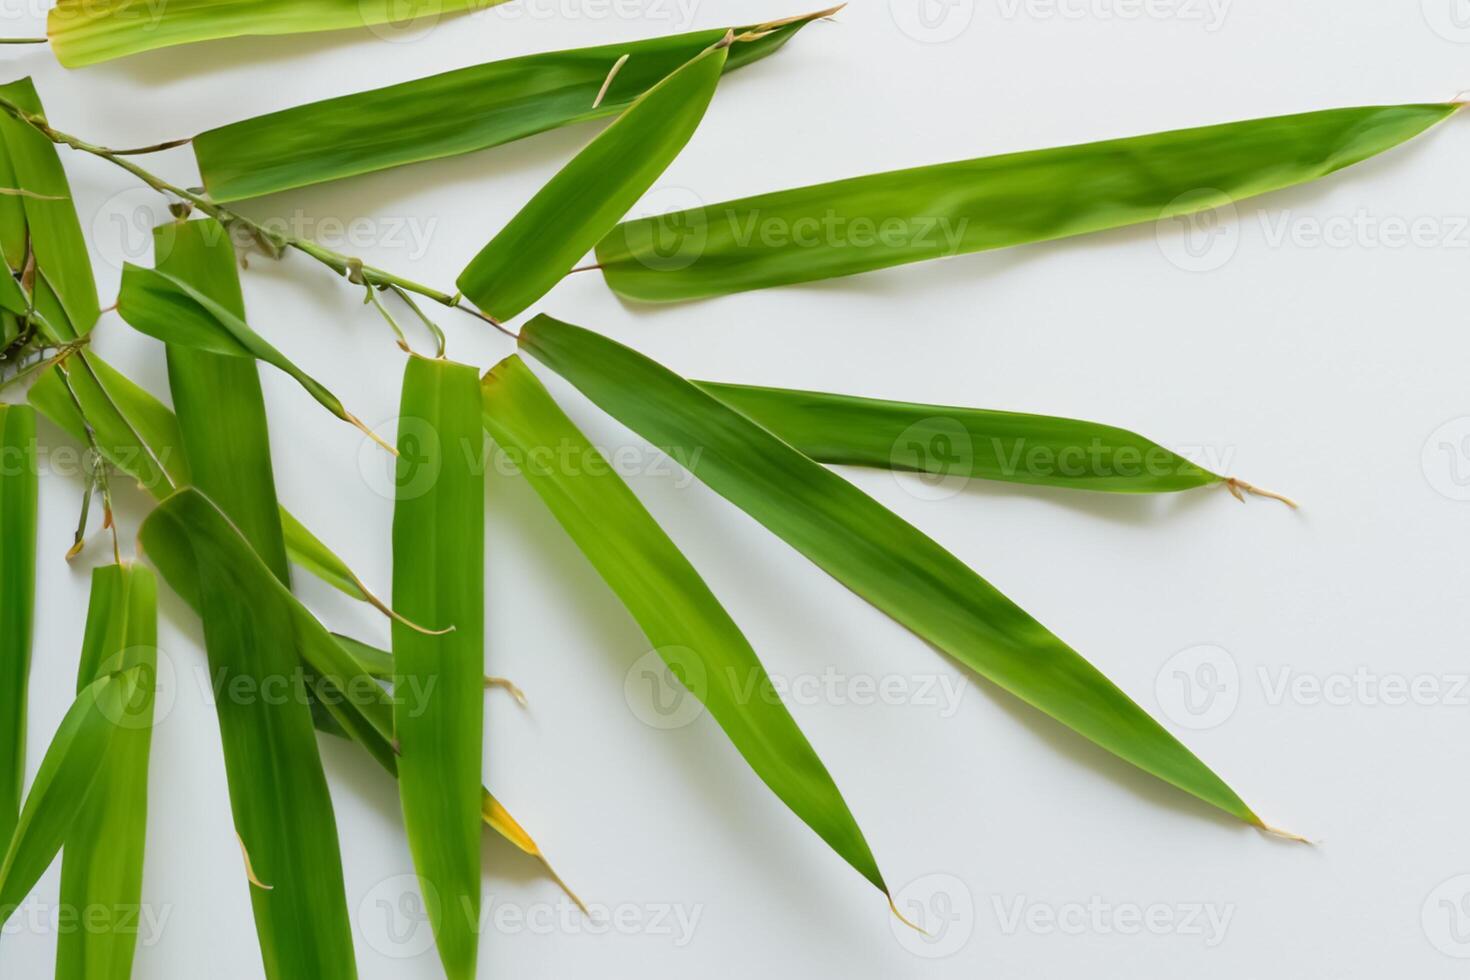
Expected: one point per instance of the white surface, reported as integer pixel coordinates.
(1324, 371)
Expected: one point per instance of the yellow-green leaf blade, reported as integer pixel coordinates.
(494, 103)
(587, 197)
(676, 610)
(102, 862)
(439, 581)
(865, 223)
(84, 32)
(872, 551)
(964, 443)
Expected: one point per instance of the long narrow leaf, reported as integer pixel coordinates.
(65, 288)
(439, 579)
(673, 606)
(871, 550)
(866, 223)
(18, 493)
(278, 792)
(492, 104)
(84, 32)
(964, 443)
(102, 862)
(163, 306)
(69, 771)
(586, 198)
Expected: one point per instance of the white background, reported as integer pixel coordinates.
(1324, 370)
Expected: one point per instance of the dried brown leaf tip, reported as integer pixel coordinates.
(1239, 489)
(249, 868)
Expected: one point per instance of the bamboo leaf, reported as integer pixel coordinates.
(872, 222)
(676, 610)
(69, 771)
(492, 104)
(439, 578)
(102, 862)
(50, 230)
(964, 443)
(19, 486)
(587, 197)
(871, 550)
(169, 309)
(84, 32)
(278, 792)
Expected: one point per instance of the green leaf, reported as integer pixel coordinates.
(278, 792)
(69, 771)
(964, 443)
(452, 113)
(163, 306)
(871, 550)
(84, 32)
(866, 223)
(19, 486)
(221, 411)
(102, 862)
(51, 231)
(588, 196)
(680, 616)
(439, 580)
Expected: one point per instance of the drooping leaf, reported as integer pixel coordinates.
(872, 222)
(51, 231)
(278, 793)
(871, 550)
(964, 443)
(494, 103)
(680, 616)
(102, 861)
(439, 580)
(84, 32)
(69, 771)
(587, 197)
(19, 487)
(164, 306)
